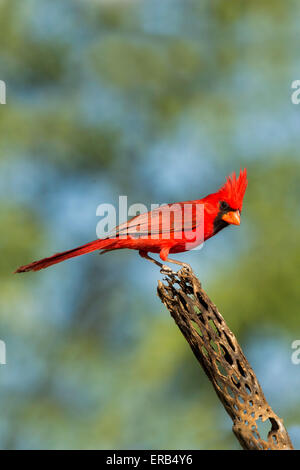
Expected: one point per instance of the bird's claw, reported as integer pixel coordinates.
(166, 270)
(186, 267)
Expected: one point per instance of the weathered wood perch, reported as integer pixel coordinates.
(223, 361)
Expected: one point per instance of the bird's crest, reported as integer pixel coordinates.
(234, 189)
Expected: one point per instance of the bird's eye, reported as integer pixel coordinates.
(224, 206)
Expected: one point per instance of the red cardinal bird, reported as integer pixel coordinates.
(170, 229)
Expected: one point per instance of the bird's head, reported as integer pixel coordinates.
(230, 200)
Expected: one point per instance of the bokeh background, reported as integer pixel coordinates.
(159, 101)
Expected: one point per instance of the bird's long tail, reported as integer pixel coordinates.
(108, 243)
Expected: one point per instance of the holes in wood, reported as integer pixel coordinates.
(235, 381)
(241, 370)
(227, 356)
(220, 384)
(221, 369)
(263, 427)
(230, 391)
(214, 346)
(183, 301)
(198, 329)
(213, 326)
(202, 301)
(229, 341)
(275, 425)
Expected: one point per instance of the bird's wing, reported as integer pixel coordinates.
(170, 218)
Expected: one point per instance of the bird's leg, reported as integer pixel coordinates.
(144, 254)
(164, 253)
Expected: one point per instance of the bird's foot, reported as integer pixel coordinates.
(186, 267)
(166, 270)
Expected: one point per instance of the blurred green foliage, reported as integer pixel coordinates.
(159, 101)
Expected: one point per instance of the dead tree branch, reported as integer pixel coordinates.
(223, 361)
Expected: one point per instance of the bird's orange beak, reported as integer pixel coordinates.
(232, 217)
